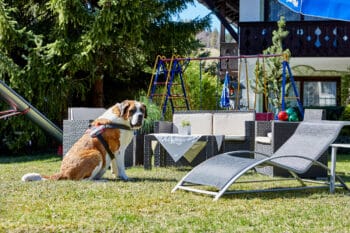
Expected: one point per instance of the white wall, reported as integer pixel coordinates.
(322, 63)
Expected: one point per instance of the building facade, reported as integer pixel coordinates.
(320, 48)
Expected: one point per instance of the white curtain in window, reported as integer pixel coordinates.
(320, 93)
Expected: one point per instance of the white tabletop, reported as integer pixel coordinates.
(178, 144)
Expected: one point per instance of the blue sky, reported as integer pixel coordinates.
(198, 10)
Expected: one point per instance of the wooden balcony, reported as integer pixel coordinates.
(305, 39)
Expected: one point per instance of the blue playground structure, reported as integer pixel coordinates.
(166, 74)
(169, 72)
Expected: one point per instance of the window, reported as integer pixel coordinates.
(274, 10)
(318, 92)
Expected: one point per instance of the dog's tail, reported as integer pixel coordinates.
(32, 177)
(37, 177)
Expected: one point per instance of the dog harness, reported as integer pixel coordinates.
(96, 132)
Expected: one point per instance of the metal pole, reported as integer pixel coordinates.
(200, 85)
(11, 97)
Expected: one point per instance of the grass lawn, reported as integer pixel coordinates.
(146, 204)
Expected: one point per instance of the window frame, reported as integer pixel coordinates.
(303, 79)
(276, 3)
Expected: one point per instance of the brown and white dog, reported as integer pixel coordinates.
(88, 158)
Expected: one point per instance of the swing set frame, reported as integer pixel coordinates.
(167, 63)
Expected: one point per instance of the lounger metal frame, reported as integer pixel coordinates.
(331, 184)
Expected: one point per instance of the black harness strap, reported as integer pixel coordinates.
(105, 145)
(96, 132)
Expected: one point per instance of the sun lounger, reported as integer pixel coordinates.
(302, 150)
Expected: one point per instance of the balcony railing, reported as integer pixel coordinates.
(305, 39)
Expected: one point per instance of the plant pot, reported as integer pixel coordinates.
(185, 130)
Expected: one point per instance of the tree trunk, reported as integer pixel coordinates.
(97, 98)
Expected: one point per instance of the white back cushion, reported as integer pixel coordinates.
(314, 115)
(231, 124)
(201, 123)
(84, 113)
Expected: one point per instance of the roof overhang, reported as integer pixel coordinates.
(227, 12)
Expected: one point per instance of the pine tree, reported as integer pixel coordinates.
(57, 50)
(345, 88)
(269, 75)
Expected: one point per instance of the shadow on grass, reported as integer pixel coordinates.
(140, 179)
(343, 158)
(292, 194)
(273, 192)
(29, 158)
(54, 158)
(345, 176)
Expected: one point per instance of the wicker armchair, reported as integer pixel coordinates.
(271, 135)
(78, 122)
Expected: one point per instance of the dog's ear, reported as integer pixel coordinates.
(124, 108)
(144, 109)
(120, 108)
(117, 110)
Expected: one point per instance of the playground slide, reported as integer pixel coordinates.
(13, 98)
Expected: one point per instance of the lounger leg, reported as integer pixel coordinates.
(297, 178)
(332, 176)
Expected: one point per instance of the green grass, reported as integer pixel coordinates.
(146, 204)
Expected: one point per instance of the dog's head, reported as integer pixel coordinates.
(134, 112)
(129, 112)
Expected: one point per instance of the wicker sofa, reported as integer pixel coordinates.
(236, 126)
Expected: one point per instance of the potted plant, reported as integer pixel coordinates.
(185, 127)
